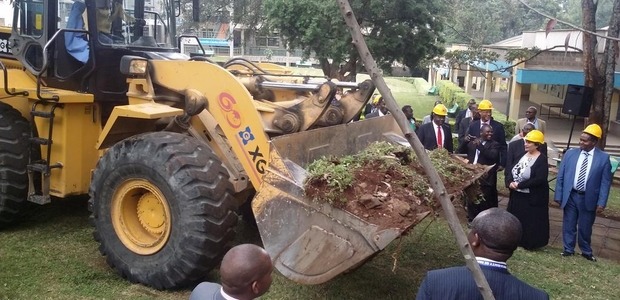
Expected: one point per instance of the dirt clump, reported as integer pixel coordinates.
(385, 184)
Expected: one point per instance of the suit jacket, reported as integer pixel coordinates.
(597, 185)
(499, 135)
(516, 149)
(538, 184)
(542, 125)
(458, 283)
(207, 291)
(459, 117)
(489, 155)
(462, 133)
(426, 134)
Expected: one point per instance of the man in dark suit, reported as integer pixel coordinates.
(499, 134)
(245, 272)
(484, 151)
(464, 127)
(468, 113)
(494, 236)
(436, 134)
(581, 189)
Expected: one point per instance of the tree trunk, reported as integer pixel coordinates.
(608, 67)
(592, 74)
(435, 181)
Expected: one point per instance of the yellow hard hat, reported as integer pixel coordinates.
(535, 136)
(440, 110)
(485, 105)
(595, 130)
(376, 99)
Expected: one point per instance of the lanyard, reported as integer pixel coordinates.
(492, 264)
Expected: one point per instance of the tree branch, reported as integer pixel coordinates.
(439, 189)
(569, 24)
(507, 68)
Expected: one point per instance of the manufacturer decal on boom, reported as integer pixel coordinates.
(245, 136)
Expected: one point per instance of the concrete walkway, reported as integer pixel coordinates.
(605, 234)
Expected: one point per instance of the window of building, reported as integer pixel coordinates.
(263, 41)
(207, 33)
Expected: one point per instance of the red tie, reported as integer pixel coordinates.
(439, 137)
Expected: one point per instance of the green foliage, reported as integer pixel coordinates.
(520, 54)
(485, 22)
(395, 30)
(338, 173)
(451, 93)
(509, 127)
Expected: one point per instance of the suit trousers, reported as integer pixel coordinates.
(577, 222)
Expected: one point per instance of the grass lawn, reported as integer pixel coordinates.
(51, 254)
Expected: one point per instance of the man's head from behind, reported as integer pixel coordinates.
(495, 234)
(246, 272)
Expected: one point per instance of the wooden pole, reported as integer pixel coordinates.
(435, 180)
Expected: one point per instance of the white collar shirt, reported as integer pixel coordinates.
(578, 167)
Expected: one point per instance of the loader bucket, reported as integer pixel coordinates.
(312, 242)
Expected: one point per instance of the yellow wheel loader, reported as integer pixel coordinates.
(97, 100)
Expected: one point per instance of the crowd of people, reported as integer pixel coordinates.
(583, 184)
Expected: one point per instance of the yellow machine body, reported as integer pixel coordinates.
(262, 123)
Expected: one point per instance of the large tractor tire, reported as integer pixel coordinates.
(162, 208)
(14, 155)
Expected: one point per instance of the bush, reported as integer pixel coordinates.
(509, 128)
(451, 93)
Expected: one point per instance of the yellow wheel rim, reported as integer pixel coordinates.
(141, 216)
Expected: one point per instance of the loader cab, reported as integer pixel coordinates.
(78, 44)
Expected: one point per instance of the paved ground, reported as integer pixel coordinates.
(605, 234)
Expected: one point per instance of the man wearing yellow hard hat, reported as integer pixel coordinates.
(485, 108)
(379, 109)
(581, 190)
(436, 134)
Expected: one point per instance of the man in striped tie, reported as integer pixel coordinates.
(581, 189)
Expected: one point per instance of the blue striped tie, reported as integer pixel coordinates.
(581, 180)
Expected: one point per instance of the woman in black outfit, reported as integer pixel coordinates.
(529, 192)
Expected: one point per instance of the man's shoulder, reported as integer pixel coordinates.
(601, 152)
(517, 142)
(496, 123)
(528, 291)
(448, 273)
(206, 290)
(426, 126)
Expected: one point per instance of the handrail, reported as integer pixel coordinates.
(190, 36)
(46, 60)
(6, 83)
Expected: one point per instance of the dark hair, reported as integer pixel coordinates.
(529, 125)
(498, 230)
(406, 106)
(592, 138)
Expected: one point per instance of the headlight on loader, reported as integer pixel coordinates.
(133, 65)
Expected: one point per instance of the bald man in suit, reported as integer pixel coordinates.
(494, 236)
